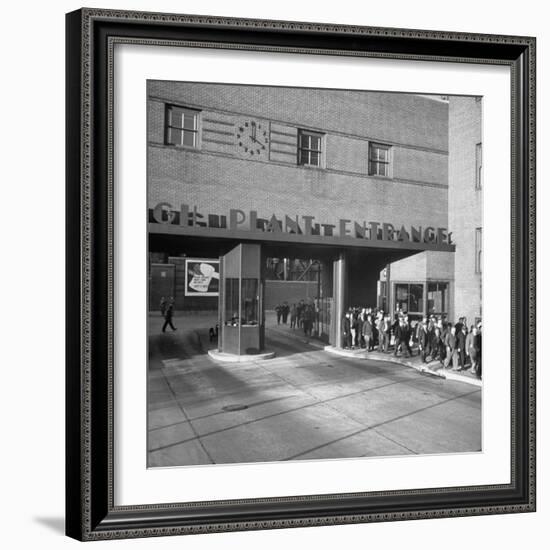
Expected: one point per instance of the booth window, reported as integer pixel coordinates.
(249, 301)
(310, 148)
(379, 160)
(409, 298)
(232, 302)
(241, 304)
(182, 126)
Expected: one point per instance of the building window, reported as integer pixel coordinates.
(182, 126)
(310, 148)
(409, 299)
(438, 299)
(479, 163)
(379, 160)
(479, 250)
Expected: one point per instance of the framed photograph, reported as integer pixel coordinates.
(300, 274)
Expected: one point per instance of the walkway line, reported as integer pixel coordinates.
(317, 402)
(379, 424)
(328, 401)
(182, 409)
(394, 441)
(251, 405)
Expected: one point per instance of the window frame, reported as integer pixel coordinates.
(377, 162)
(479, 166)
(168, 108)
(320, 152)
(441, 286)
(478, 250)
(422, 300)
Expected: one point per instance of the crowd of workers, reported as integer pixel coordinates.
(302, 315)
(456, 346)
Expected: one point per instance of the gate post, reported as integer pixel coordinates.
(340, 291)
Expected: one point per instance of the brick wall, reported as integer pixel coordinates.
(215, 184)
(402, 118)
(218, 176)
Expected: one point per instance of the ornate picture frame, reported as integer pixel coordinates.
(90, 253)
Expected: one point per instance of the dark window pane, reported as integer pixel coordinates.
(402, 297)
(181, 127)
(437, 298)
(250, 301)
(379, 160)
(309, 148)
(189, 121)
(232, 302)
(175, 136)
(175, 118)
(416, 298)
(315, 143)
(189, 138)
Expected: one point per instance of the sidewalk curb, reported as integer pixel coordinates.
(232, 358)
(473, 381)
(423, 369)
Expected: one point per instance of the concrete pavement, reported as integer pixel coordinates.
(303, 404)
(432, 367)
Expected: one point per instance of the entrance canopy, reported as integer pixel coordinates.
(351, 268)
(390, 242)
(240, 226)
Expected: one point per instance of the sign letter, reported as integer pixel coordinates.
(163, 208)
(236, 217)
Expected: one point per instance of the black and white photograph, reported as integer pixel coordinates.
(271, 275)
(315, 273)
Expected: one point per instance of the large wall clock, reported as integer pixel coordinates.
(252, 139)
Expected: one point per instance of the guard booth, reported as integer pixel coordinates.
(242, 320)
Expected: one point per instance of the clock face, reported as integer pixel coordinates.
(252, 139)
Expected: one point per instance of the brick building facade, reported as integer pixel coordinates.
(382, 166)
(416, 129)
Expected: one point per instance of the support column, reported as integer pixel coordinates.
(340, 291)
(221, 304)
(389, 301)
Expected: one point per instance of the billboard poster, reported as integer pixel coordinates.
(202, 277)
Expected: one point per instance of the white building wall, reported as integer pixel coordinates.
(465, 202)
